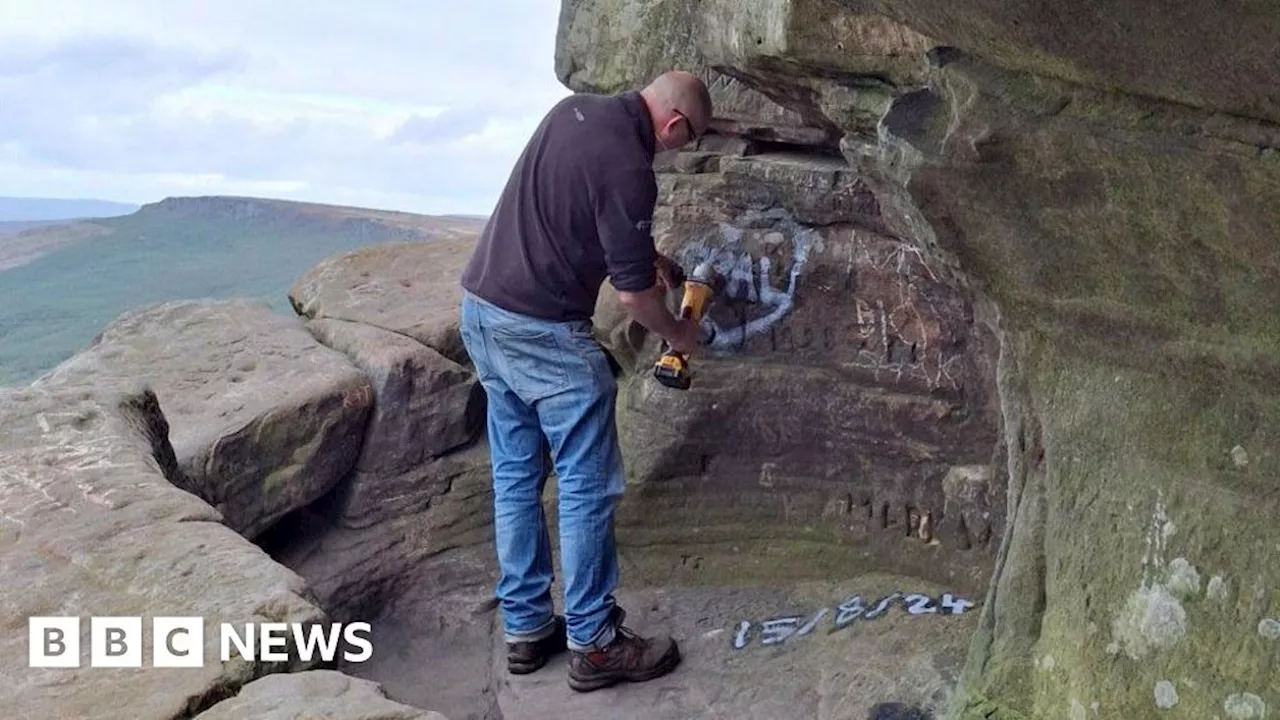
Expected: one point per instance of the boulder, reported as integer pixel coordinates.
(424, 406)
(1097, 184)
(263, 418)
(355, 562)
(316, 694)
(91, 525)
(408, 288)
(421, 486)
(368, 498)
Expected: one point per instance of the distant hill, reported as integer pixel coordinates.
(35, 209)
(13, 227)
(214, 247)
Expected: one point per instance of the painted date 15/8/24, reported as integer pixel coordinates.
(779, 629)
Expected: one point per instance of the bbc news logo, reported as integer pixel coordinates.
(178, 642)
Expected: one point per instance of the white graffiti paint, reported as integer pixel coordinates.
(779, 629)
(749, 279)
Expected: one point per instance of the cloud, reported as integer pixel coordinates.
(448, 126)
(415, 106)
(99, 75)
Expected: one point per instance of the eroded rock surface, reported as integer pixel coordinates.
(1108, 205)
(408, 288)
(90, 525)
(420, 489)
(862, 648)
(263, 419)
(426, 404)
(852, 371)
(424, 407)
(314, 694)
(355, 571)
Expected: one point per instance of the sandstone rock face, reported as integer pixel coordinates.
(314, 694)
(355, 564)
(420, 489)
(349, 453)
(425, 405)
(263, 419)
(849, 375)
(90, 525)
(408, 288)
(1108, 204)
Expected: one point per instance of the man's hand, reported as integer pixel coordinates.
(648, 308)
(687, 337)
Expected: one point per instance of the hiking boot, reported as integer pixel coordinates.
(526, 657)
(629, 658)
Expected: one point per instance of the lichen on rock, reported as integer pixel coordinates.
(1153, 619)
(1244, 706)
(1183, 580)
(1166, 695)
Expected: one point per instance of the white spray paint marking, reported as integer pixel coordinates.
(740, 272)
(1269, 628)
(780, 629)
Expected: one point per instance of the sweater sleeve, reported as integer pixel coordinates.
(624, 224)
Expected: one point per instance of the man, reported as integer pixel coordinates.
(577, 208)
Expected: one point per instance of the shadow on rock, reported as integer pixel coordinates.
(898, 711)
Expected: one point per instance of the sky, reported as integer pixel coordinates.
(416, 105)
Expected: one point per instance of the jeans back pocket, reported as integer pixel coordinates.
(534, 361)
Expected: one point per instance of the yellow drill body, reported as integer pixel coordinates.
(672, 369)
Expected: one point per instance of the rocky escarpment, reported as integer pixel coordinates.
(346, 442)
(1099, 184)
(91, 523)
(137, 473)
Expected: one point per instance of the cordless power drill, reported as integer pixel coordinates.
(672, 369)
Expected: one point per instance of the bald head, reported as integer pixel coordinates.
(680, 107)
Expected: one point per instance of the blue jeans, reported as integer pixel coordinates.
(549, 379)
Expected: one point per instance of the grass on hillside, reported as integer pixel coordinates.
(55, 305)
